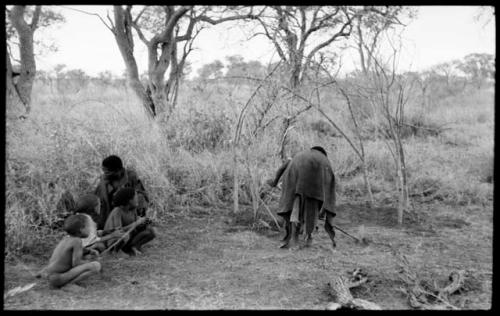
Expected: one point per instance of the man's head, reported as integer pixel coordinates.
(125, 197)
(78, 225)
(88, 204)
(321, 149)
(112, 167)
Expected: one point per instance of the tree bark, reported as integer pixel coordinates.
(123, 36)
(25, 32)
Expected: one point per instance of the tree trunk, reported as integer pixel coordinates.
(402, 181)
(286, 127)
(124, 39)
(144, 95)
(367, 182)
(10, 88)
(25, 31)
(295, 69)
(236, 184)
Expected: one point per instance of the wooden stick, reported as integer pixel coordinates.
(134, 225)
(357, 239)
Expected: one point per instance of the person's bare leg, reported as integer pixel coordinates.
(294, 235)
(288, 231)
(308, 240)
(142, 238)
(329, 228)
(76, 274)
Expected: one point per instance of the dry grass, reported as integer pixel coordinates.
(189, 161)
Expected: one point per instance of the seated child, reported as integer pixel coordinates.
(66, 263)
(89, 205)
(124, 217)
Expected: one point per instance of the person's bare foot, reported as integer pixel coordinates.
(308, 242)
(73, 288)
(284, 246)
(135, 251)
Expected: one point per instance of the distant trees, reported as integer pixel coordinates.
(211, 70)
(479, 68)
(238, 69)
(370, 27)
(21, 25)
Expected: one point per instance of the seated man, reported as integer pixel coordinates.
(114, 177)
(124, 218)
(308, 190)
(66, 264)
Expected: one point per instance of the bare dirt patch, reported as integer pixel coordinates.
(204, 260)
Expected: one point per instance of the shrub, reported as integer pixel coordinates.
(200, 131)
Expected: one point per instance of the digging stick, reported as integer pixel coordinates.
(134, 225)
(362, 240)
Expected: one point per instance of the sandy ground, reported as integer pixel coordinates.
(207, 261)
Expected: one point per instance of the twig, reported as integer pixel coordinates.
(136, 223)
(270, 213)
(89, 13)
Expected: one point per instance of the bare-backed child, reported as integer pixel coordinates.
(90, 205)
(66, 265)
(124, 217)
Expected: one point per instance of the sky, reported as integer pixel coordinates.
(438, 34)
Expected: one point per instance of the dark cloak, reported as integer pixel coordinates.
(309, 174)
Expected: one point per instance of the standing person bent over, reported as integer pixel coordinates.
(308, 193)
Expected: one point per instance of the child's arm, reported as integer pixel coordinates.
(139, 221)
(77, 257)
(115, 234)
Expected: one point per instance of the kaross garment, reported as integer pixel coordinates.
(308, 176)
(105, 192)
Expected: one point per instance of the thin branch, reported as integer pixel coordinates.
(111, 28)
(329, 41)
(274, 41)
(139, 15)
(36, 17)
(169, 26)
(139, 33)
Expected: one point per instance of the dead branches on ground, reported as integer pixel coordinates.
(339, 288)
(427, 295)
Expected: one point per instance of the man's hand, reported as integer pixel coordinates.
(93, 253)
(270, 182)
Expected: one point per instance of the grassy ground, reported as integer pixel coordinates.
(207, 258)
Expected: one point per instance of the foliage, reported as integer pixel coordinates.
(478, 68)
(48, 18)
(211, 70)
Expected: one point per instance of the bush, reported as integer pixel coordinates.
(323, 128)
(200, 131)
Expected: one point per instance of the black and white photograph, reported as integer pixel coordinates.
(249, 157)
